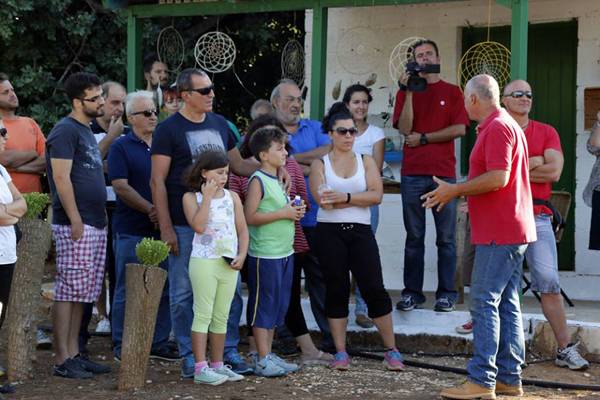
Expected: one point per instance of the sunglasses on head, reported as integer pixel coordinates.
(344, 131)
(517, 94)
(146, 113)
(205, 91)
(3, 132)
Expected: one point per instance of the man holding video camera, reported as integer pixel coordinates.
(430, 113)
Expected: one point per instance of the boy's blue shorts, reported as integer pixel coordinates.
(269, 289)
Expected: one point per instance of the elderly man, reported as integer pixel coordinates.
(129, 166)
(502, 224)
(308, 143)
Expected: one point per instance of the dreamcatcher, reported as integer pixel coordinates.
(487, 57)
(359, 51)
(400, 55)
(170, 48)
(292, 62)
(215, 52)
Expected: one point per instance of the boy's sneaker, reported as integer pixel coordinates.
(103, 327)
(268, 368)
(71, 369)
(90, 366)
(570, 357)
(465, 328)
(406, 303)
(43, 341)
(392, 359)
(287, 366)
(341, 361)
(443, 304)
(238, 364)
(208, 376)
(164, 353)
(226, 370)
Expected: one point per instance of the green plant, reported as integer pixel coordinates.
(36, 204)
(151, 252)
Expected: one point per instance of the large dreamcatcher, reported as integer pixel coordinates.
(215, 52)
(170, 48)
(292, 62)
(359, 51)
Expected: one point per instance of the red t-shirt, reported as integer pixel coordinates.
(503, 216)
(439, 106)
(541, 137)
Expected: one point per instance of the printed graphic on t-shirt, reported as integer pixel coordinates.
(203, 140)
(94, 158)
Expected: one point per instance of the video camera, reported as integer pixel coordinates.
(415, 83)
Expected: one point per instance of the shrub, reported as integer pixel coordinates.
(36, 204)
(151, 252)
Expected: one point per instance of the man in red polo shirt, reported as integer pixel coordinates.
(502, 224)
(430, 121)
(545, 166)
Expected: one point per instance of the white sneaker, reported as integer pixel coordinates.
(103, 327)
(43, 341)
(225, 370)
(570, 357)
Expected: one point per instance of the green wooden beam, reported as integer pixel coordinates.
(519, 39)
(134, 53)
(318, 67)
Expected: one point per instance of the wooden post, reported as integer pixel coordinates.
(24, 300)
(144, 286)
(461, 233)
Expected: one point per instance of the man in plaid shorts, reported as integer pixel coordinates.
(75, 174)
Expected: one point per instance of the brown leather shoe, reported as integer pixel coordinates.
(468, 390)
(364, 322)
(509, 390)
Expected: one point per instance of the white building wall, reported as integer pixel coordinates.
(384, 27)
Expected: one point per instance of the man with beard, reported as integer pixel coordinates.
(156, 76)
(76, 179)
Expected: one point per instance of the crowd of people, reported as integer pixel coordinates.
(293, 196)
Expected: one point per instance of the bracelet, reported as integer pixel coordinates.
(348, 198)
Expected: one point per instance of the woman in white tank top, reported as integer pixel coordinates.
(344, 240)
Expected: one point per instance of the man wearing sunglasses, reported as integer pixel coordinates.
(545, 166)
(76, 178)
(429, 121)
(135, 217)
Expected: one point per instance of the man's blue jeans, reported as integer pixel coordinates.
(124, 249)
(498, 340)
(180, 293)
(413, 187)
(232, 339)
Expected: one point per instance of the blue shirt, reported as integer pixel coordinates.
(129, 158)
(183, 141)
(308, 137)
(72, 140)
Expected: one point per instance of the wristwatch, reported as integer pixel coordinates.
(423, 140)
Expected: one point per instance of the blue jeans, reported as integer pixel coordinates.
(413, 187)
(232, 339)
(180, 293)
(360, 306)
(124, 248)
(498, 340)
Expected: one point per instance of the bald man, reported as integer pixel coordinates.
(502, 224)
(545, 166)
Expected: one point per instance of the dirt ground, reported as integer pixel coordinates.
(366, 380)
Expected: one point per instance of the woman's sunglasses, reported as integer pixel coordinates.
(344, 131)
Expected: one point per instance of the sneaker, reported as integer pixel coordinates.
(71, 369)
(268, 368)
(43, 341)
(468, 390)
(226, 370)
(320, 358)
(443, 304)
(91, 366)
(509, 390)
(406, 303)
(392, 359)
(164, 353)
(341, 361)
(103, 327)
(364, 322)
(287, 366)
(570, 357)
(238, 364)
(465, 328)
(208, 376)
